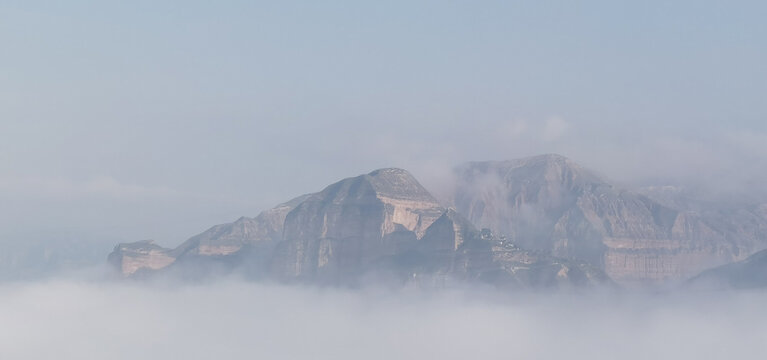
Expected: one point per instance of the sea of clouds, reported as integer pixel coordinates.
(232, 319)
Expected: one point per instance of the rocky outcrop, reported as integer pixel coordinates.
(550, 203)
(140, 257)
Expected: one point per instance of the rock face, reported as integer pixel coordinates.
(140, 257)
(381, 225)
(349, 225)
(550, 203)
(482, 256)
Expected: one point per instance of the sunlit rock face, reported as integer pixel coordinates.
(552, 204)
(347, 227)
(141, 256)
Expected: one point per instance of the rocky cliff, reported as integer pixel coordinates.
(140, 257)
(550, 203)
(480, 256)
(349, 225)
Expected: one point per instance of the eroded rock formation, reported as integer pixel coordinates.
(550, 203)
(141, 256)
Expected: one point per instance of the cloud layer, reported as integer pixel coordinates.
(235, 320)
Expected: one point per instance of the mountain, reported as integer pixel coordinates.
(550, 203)
(538, 221)
(349, 225)
(750, 273)
(380, 226)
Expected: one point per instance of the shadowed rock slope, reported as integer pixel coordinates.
(750, 273)
(381, 226)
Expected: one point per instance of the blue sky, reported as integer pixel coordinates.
(156, 119)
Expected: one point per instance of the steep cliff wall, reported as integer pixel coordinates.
(343, 229)
(551, 203)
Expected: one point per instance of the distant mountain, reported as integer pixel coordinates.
(750, 273)
(550, 203)
(538, 221)
(381, 225)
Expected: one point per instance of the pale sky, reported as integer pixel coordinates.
(157, 119)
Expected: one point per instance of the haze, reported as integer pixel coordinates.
(154, 120)
(125, 121)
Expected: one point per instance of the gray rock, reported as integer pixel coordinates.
(552, 204)
(349, 226)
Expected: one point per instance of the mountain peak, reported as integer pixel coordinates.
(397, 183)
(389, 172)
(542, 170)
(549, 157)
(546, 160)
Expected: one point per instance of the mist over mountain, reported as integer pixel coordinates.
(543, 221)
(537, 222)
(383, 225)
(551, 203)
(383, 180)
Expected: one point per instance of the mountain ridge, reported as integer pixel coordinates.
(553, 211)
(384, 221)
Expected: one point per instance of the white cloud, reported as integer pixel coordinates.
(232, 320)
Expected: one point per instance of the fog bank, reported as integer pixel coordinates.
(235, 320)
